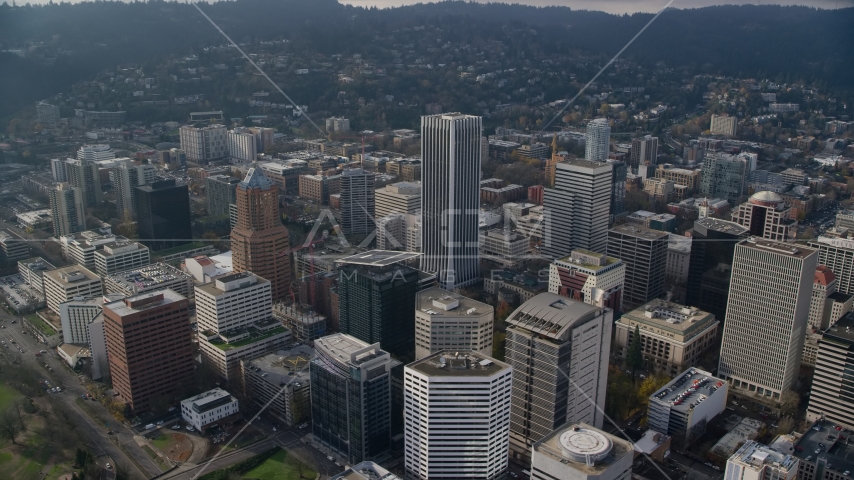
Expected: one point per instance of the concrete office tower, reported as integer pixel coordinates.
(598, 140)
(766, 318)
(47, 114)
(828, 396)
(357, 201)
(581, 452)
(92, 153)
(163, 214)
(59, 169)
(242, 145)
(754, 461)
(450, 197)
(447, 321)
(376, 296)
(66, 208)
(711, 264)
(220, 191)
(86, 176)
(576, 210)
(457, 416)
(75, 316)
(337, 125)
(766, 215)
(824, 285)
(593, 278)
(125, 178)
(644, 151)
(259, 241)
(351, 397)
(235, 322)
(723, 176)
(98, 348)
(150, 348)
(550, 338)
(365, 471)
(723, 125)
(394, 203)
(673, 337)
(13, 247)
(68, 283)
(684, 406)
(838, 255)
(644, 251)
(204, 144)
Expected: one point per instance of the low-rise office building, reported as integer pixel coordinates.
(81, 247)
(32, 271)
(13, 247)
(684, 406)
(594, 278)
(68, 283)
(120, 256)
(365, 471)
(672, 336)
(755, 461)
(581, 452)
(823, 453)
(208, 409)
(280, 381)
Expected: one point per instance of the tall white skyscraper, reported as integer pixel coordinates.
(450, 198)
(576, 209)
(242, 145)
(598, 140)
(456, 416)
(125, 178)
(766, 318)
(66, 207)
(93, 153)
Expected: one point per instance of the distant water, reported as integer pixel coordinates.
(622, 6)
(610, 6)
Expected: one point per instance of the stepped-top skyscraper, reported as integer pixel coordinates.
(450, 199)
(598, 140)
(259, 241)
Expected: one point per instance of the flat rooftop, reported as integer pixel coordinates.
(377, 258)
(342, 347)
(71, 275)
(551, 315)
(580, 260)
(758, 455)
(718, 225)
(284, 365)
(669, 316)
(143, 301)
(149, 276)
(365, 471)
(790, 249)
(842, 330)
(687, 389)
(436, 301)
(36, 263)
(209, 400)
(573, 444)
(838, 452)
(580, 162)
(640, 232)
(458, 364)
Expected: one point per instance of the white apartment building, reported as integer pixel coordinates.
(208, 408)
(754, 461)
(156, 276)
(504, 247)
(458, 403)
(399, 232)
(75, 317)
(337, 125)
(32, 271)
(766, 318)
(235, 321)
(242, 145)
(204, 144)
(598, 140)
(594, 278)
(120, 256)
(581, 452)
(67, 283)
(81, 247)
(125, 178)
(449, 321)
(644, 151)
(723, 125)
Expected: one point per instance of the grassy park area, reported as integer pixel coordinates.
(280, 466)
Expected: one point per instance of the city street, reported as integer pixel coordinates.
(96, 437)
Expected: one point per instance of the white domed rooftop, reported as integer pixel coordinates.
(581, 444)
(766, 197)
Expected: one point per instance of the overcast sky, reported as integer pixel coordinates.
(624, 6)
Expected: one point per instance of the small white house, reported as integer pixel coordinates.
(208, 408)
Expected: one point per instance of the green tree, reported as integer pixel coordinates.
(634, 357)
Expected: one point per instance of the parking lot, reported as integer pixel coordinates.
(19, 295)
